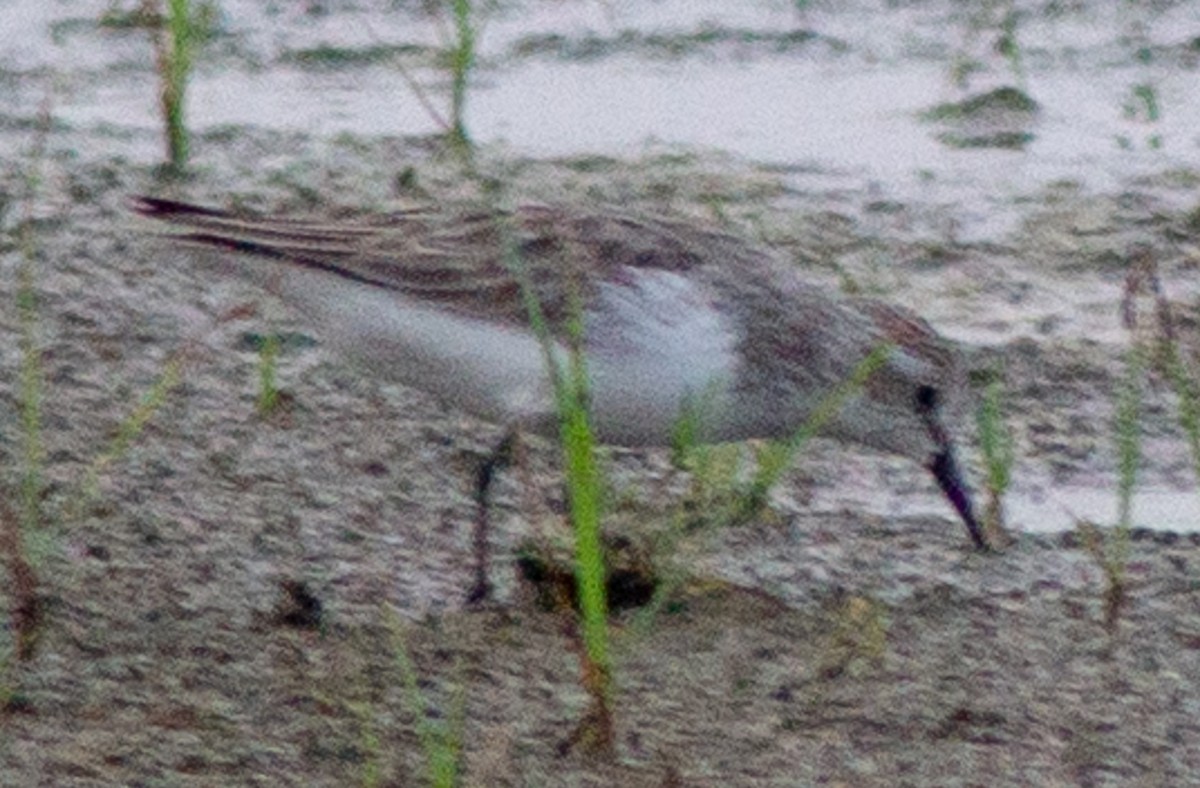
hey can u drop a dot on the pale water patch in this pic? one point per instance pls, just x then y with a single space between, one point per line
847 100
837 480
1029 509
1061 507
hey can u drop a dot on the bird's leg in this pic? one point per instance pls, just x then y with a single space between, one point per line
499 458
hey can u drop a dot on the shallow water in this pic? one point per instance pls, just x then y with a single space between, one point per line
846 102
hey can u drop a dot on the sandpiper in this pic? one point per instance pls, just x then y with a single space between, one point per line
671 312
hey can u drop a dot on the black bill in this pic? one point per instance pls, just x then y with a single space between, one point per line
950 479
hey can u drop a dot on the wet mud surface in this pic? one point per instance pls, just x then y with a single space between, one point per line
227 605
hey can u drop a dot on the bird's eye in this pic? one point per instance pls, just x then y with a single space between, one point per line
927 398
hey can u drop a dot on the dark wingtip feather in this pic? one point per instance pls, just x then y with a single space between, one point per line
158 208
229 243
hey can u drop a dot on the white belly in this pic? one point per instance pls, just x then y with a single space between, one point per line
651 349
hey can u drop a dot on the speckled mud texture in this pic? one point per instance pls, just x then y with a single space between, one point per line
183 644
228 602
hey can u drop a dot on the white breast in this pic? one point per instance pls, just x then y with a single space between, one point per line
655 345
